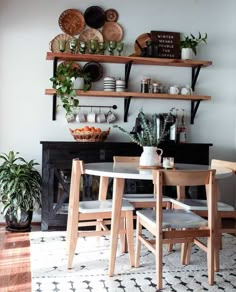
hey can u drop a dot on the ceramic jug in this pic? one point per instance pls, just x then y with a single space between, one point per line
150 157
187 90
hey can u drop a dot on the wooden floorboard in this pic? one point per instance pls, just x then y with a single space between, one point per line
15 272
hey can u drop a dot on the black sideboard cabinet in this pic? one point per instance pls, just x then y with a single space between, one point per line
56 168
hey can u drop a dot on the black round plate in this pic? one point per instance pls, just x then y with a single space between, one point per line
94 16
94 69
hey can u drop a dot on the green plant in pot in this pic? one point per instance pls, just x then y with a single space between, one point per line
147 138
189 44
20 190
63 82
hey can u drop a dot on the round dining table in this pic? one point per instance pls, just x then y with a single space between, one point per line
120 171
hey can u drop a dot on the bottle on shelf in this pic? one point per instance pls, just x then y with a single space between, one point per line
183 132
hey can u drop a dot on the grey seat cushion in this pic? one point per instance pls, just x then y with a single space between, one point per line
174 218
102 206
200 205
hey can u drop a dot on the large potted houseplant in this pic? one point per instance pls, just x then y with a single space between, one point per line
189 43
20 190
148 139
67 79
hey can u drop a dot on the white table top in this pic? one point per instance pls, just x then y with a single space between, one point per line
132 170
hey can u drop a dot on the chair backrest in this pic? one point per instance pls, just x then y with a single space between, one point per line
223 163
126 159
182 178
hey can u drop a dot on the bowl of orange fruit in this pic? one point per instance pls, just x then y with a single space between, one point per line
89 134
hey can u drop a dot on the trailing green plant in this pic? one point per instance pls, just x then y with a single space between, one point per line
148 134
191 41
20 185
63 82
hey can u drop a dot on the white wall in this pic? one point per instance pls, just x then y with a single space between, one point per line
26 28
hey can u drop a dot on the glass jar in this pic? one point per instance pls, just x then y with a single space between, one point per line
144 86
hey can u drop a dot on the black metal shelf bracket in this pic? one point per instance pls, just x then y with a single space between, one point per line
195 73
127 101
54 106
194 103
194 107
54 99
128 67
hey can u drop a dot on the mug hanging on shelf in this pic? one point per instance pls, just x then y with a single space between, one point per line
111 117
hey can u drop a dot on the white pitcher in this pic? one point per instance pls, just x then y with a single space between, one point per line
150 157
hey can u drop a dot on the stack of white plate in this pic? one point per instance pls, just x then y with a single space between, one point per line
120 85
109 84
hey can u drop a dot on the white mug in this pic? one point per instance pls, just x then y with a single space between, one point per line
101 118
111 117
174 89
91 117
81 118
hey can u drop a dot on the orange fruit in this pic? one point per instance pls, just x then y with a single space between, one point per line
86 128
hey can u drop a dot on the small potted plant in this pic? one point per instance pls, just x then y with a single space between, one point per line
65 83
189 45
20 190
147 138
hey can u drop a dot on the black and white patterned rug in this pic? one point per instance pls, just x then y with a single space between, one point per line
89 273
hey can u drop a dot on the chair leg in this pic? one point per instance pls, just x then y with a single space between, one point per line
186 249
123 243
218 243
169 245
159 259
218 229
210 260
138 243
130 236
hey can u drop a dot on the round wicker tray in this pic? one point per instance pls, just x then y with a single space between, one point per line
90 136
71 21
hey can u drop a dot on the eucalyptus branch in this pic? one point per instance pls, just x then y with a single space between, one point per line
148 136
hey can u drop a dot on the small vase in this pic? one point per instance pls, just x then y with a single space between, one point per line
79 83
150 157
186 54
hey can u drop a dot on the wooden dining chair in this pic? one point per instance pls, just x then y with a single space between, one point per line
178 226
145 200
94 213
224 211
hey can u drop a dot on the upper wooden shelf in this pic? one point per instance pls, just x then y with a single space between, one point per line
134 95
127 59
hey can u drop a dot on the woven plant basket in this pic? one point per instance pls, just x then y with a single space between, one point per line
88 136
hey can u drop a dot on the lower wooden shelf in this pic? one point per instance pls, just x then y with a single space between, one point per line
195 99
111 94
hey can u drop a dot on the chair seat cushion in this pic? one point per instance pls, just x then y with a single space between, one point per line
97 206
143 198
174 218
200 205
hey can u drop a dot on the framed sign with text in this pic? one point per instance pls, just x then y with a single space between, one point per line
168 44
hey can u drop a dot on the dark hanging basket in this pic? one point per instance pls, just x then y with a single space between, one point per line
23 225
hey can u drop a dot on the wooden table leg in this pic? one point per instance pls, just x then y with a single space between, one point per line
118 189
103 187
72 220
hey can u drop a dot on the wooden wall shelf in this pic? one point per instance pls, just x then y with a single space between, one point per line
127 59
196 66
134 95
